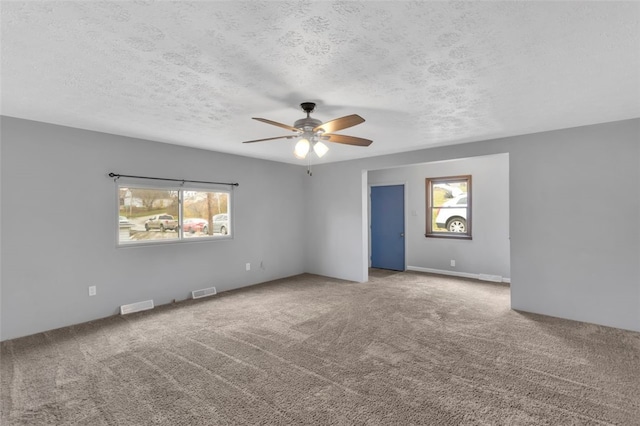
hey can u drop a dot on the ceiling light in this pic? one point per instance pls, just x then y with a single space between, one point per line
312 132
301 149
320 149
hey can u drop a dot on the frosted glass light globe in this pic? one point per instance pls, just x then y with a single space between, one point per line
301 149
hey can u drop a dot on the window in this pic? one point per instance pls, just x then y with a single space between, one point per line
157 214
449 207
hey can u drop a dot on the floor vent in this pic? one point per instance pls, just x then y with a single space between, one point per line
136 307
486 277
197 294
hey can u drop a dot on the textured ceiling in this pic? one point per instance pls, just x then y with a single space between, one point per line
421 73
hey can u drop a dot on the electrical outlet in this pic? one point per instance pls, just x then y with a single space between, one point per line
248 266
92 290
453 262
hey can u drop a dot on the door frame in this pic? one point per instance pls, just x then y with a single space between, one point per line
405 186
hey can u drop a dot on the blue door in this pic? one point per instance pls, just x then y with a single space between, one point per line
387 227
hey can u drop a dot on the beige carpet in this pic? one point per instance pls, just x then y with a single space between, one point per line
405 348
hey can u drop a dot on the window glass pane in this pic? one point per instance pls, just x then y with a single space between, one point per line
448 210
159 214
205 214
148 214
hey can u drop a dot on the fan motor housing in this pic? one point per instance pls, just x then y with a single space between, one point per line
307 123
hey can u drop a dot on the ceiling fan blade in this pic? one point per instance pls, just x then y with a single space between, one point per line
348 140
275 123
269 139
340 123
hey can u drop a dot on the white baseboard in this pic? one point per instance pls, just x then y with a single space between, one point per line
452 273
443 272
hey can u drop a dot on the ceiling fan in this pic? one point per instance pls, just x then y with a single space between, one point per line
312 132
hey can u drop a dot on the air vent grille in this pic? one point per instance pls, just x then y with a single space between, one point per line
136 307
197 294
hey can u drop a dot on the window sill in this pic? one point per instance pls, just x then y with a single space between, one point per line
160 242
449 236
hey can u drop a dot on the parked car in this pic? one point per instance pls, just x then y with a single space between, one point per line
124 221
194 225
162 222
221 224
453 214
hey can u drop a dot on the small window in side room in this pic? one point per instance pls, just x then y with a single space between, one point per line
449 207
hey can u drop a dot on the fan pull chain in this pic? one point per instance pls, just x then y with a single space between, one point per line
309 166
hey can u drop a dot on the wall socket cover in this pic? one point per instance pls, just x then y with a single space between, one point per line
92 290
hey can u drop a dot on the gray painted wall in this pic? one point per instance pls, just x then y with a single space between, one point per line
569 257
488 251
574 206
58 218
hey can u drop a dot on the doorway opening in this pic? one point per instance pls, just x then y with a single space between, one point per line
485 256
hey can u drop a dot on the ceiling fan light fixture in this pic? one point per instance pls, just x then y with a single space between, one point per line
312 132
301 149
320 149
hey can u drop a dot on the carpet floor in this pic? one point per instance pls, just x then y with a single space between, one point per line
404 348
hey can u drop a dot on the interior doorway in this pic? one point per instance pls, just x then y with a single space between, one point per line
486 254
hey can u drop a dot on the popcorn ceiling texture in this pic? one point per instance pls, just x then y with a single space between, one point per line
420 73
